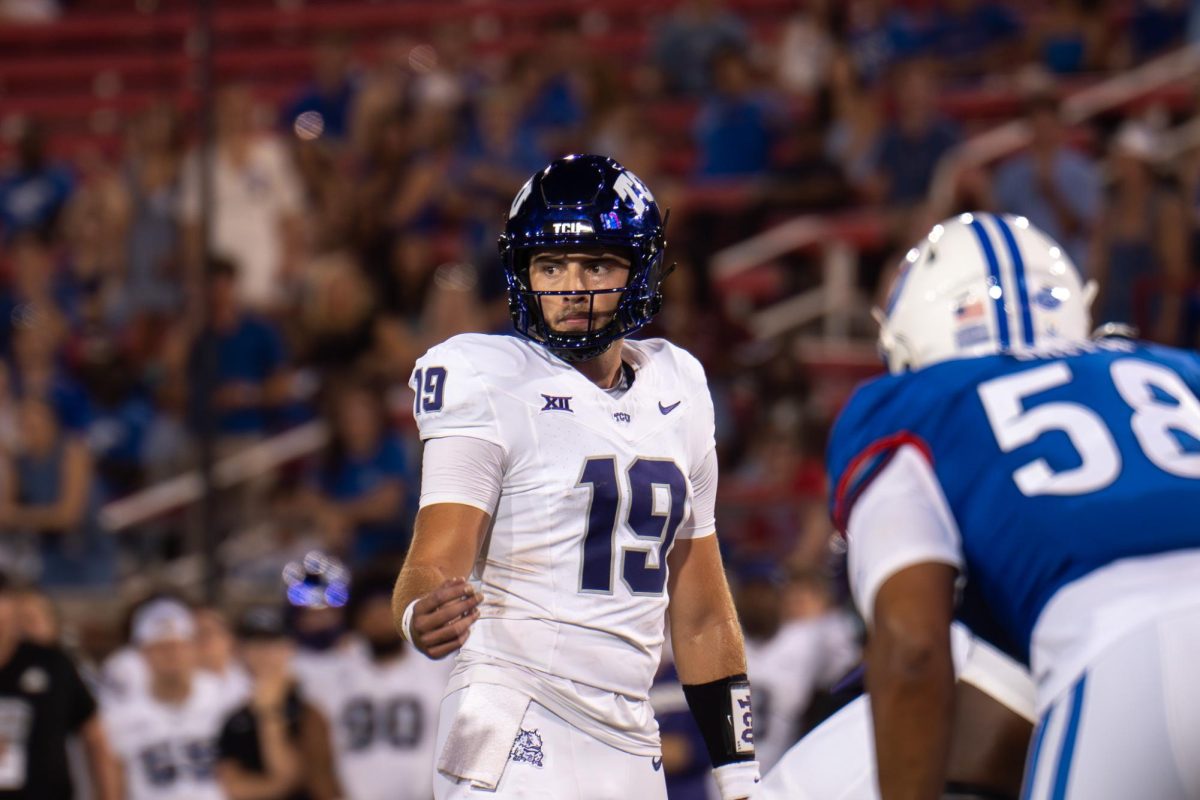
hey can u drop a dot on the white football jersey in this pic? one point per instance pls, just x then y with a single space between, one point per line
786 670
383 721
168 751
597 485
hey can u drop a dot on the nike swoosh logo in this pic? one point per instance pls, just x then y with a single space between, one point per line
668 409
656 763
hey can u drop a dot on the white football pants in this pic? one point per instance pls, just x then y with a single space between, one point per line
553 760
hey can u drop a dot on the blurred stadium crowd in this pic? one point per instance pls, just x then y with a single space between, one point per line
354 224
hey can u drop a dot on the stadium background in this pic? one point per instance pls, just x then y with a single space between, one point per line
364 155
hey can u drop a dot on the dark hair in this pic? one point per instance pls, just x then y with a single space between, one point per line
221 267
373 582
335 390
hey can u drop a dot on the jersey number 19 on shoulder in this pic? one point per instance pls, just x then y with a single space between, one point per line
430 385
657 494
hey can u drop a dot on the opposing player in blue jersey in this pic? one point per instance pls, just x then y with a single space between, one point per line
1054 480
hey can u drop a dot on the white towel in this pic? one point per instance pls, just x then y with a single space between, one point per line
482 734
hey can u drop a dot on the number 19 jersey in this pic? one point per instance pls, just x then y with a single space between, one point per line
1051 467
596 487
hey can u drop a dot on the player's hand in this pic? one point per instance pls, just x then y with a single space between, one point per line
442 619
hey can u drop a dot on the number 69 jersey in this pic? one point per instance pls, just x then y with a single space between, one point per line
1057 484
597 486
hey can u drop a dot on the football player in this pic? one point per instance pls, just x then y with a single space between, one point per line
789 660
567 507
1056 477
164 738
380 700
994 716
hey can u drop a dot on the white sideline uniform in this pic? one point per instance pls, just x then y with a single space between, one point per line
382 719
1113 650
802 657
836 760
167 752
579 628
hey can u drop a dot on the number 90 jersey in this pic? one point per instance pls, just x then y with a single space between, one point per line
597 486
1051 468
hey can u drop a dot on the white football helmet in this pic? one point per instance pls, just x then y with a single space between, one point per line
980 284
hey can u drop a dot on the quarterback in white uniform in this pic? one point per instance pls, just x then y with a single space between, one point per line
571 474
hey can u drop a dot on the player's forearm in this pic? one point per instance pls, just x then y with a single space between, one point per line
279 757
912 702
710 651
238 784
415 581
103 767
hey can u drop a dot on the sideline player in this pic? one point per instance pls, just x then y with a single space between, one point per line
1059 476
571 472
164 738
994 716
789 660
380 700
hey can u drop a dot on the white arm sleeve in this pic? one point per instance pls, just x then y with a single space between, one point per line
462 469
703 521
900 520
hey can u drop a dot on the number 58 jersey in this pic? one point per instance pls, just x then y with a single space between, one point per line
597 485
1064 487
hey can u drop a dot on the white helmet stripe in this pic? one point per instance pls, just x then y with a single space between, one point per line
993 265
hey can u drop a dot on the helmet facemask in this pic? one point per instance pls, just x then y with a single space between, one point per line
640 299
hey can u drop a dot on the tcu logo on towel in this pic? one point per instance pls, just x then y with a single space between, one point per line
630 189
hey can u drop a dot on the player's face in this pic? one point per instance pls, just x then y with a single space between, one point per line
578 271
214 642
375 621
266 658
36 618
759 606
170 659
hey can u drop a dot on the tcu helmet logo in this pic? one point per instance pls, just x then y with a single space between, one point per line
520 199
574 228
631 189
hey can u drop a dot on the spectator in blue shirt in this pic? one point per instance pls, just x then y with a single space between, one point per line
329 97
1056 187
250 376
361 485
736 128
50 500
878 37
689 39
121 421
33 193
915 142
974 36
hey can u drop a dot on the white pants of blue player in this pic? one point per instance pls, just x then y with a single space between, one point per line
553 760
1129 727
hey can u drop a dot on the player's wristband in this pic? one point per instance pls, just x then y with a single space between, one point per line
737 780
406 622
723 714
